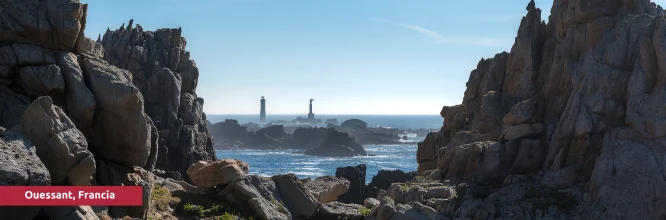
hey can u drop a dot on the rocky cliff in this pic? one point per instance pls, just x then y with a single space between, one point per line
100 113
578 102
166 76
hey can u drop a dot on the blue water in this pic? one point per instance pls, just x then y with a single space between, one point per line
272 162
393 121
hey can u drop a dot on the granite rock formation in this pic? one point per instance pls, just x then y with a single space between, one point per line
384 179
60 146
327 188
163 71
575 102
28 171
96 113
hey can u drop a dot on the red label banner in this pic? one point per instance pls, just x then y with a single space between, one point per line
71 195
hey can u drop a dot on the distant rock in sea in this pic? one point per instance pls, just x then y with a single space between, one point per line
337 144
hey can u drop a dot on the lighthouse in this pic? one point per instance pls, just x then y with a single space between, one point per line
311 115
262 114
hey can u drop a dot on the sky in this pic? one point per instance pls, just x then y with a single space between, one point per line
392 57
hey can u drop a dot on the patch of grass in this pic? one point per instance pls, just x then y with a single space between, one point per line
280 205
405 188
226 216
194 209
162 198
364 211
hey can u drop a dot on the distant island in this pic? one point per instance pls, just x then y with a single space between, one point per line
229 134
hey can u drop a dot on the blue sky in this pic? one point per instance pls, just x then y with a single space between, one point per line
351 56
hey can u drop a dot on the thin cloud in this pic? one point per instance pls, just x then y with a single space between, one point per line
438 38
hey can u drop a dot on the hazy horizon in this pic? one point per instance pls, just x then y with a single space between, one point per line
373 57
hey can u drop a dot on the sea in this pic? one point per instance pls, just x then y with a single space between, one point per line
388 157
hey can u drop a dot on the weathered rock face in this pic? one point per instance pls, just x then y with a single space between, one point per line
384 179
570 99
356 177
163 71
27 171
327 188
338 144
79 100
298 199
25 22
62 147
209 174
259 196
120 131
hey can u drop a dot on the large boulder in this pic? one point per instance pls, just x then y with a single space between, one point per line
20 166
356 177
337 144
210 174
53 24
120 130
296 197
43 80
257 195
327 188
60 146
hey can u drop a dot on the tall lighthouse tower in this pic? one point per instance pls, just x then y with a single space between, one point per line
262 114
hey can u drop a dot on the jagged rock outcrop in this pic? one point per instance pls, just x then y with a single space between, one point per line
162 70
576 98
